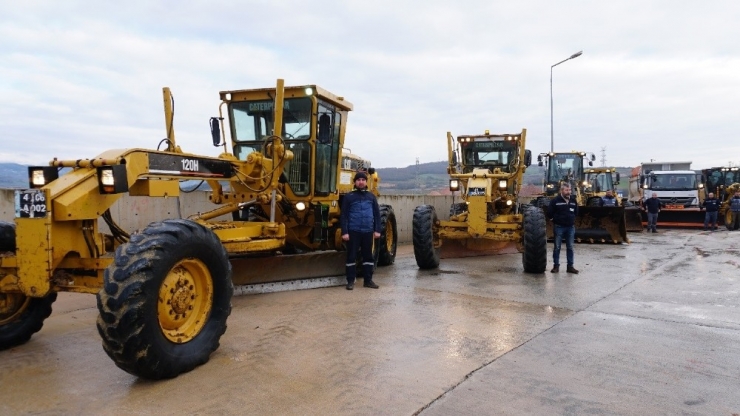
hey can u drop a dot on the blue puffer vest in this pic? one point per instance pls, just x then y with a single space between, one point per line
358 212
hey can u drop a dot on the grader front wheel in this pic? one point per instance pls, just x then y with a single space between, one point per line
165 300
424 223
388 236
534 256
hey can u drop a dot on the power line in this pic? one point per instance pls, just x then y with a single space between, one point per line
603 156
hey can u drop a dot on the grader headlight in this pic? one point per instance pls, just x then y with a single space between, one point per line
112 179
300 206
38 176
509 202
454 185
502 184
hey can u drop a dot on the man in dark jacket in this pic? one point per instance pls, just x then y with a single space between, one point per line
711 205
735 209
562 211
652 205
360 224
608 200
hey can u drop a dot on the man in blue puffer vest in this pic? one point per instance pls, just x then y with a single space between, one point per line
563 211
711 205
360 223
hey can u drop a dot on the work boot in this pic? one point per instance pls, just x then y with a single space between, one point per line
370 284
571 269
555 269
350 286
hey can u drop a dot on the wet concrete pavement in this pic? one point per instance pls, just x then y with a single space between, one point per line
647 328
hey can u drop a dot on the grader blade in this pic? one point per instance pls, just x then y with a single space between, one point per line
680 218
473 247
285 267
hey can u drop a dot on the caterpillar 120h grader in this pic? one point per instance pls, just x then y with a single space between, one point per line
164 292
594 223
488 174
723 182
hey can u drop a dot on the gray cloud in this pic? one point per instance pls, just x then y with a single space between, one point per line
657 80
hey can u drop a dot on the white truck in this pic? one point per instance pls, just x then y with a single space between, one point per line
679 190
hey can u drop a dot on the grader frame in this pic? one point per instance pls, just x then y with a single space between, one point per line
164 292
487 170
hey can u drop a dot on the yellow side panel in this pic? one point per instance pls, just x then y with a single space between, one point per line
84 201
155 188
34 255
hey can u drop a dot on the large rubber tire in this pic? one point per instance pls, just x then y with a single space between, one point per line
388 241
424 221
728 220
534 256
165 299
20 316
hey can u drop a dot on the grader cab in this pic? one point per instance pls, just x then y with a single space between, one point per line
594 222
487 171
164 292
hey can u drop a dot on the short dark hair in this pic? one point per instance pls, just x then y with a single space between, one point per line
360 175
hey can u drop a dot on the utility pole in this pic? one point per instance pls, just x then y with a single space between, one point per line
418 179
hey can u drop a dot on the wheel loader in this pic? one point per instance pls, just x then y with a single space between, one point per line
164 292
723 182
594 224
487 171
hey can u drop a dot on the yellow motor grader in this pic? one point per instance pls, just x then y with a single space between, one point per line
723 182
164 292
487 170
594 222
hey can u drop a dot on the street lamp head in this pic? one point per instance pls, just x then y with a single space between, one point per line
576 55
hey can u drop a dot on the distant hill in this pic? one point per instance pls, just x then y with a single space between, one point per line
425 178
13 176
432 177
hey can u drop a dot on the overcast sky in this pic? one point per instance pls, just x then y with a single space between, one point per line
657 79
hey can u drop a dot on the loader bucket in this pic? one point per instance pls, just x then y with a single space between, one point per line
598 225
472 247
633 219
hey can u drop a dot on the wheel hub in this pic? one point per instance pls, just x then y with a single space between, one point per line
185 300
11 306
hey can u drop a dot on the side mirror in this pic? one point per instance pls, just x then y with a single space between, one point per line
528 158
590 163
216 130
324 129
454 157
617 182
593 157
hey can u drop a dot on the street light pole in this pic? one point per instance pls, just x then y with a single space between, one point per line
552 140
